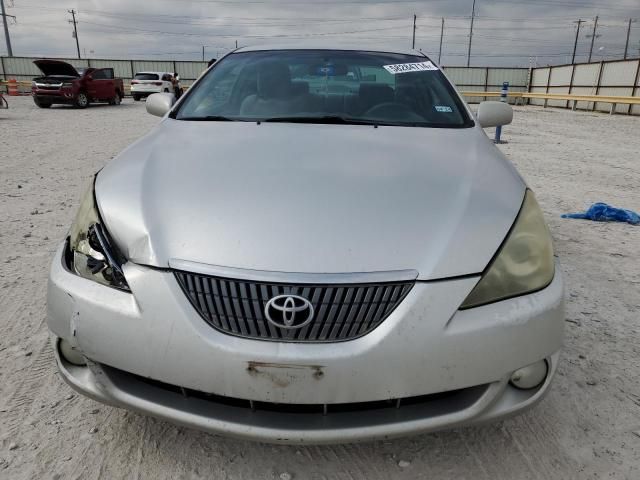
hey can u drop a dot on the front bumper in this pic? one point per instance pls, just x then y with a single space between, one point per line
449 367
65 97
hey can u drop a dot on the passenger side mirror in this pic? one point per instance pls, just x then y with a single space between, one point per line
159 104
492 114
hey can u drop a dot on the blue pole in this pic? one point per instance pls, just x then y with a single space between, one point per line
503 98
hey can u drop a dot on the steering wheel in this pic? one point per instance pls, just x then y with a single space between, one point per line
393 111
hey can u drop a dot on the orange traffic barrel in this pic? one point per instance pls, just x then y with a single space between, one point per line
13 87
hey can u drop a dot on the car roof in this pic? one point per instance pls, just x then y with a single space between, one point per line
154 73
366 47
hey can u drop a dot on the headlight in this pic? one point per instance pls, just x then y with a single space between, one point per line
524 263
94 255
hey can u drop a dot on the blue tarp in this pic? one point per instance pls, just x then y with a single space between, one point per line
601 212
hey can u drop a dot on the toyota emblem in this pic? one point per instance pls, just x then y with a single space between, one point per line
289 311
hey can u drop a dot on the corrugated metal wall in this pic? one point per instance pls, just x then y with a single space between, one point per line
615 78
480 79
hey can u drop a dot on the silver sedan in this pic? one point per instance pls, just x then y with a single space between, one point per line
314 245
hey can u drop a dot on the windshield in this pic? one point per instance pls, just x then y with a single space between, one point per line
325 86
146 76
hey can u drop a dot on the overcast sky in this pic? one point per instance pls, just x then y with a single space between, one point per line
506 32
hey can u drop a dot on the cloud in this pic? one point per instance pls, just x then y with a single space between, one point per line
516 32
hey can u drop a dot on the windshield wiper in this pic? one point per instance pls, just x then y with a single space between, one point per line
209 118
326 119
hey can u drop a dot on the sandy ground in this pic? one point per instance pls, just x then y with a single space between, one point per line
588 427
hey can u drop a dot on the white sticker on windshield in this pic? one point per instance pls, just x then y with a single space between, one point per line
410 67
443 109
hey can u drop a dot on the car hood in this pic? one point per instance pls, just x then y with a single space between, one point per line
56 67
311 198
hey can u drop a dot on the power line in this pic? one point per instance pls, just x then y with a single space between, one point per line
233 34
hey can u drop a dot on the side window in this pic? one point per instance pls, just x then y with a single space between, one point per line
166 77
103 74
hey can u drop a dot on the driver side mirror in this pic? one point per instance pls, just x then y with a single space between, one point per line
493 114
159 104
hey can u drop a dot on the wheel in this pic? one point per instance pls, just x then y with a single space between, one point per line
115 100
82 100
166 90
136 98
40 103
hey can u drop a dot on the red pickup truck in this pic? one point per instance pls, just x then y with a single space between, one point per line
65 84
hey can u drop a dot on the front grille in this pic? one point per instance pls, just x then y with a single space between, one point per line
433 404
48 86
341 311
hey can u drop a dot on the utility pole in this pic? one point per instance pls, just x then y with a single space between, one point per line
626 44
75 30
413 42
593 37
236 43
575 44
473 14
203 53
441 35
6 29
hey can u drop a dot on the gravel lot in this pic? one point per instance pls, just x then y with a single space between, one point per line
588 427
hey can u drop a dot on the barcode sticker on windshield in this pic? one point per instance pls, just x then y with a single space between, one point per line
410 67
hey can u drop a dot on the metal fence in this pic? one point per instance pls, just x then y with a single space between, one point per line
468 79
486 79
612 77
23 69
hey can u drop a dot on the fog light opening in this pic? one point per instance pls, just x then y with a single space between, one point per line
70 354
531 376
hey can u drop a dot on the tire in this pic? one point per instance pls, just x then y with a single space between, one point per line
115 100
136 98
41 104
81 100
166 90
